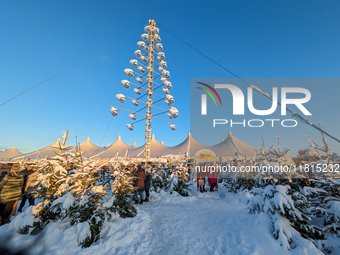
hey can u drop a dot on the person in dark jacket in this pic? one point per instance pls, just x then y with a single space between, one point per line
10 192
147 184
139 183
30 178
3 174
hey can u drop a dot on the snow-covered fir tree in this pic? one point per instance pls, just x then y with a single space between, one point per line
179 180
279 152
122 193
51 184
324 149
331 211
240 180
159 179
239 184
87 195
67 184
285 208
326 204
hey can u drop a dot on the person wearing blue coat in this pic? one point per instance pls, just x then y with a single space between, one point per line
167 172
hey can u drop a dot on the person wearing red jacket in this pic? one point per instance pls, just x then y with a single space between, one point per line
212 179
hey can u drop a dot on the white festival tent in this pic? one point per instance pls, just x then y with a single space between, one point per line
230 147
89 148
9 154
117 147
157 150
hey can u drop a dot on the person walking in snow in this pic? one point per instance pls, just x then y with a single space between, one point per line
30 178
212 178
166 169
140 185
201 183
10 192
147 182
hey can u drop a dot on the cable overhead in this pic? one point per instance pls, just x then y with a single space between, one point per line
107 128
294 114
218 131
206 56
105 132
70 67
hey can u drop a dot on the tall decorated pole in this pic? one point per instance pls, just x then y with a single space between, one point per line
148 120
153 68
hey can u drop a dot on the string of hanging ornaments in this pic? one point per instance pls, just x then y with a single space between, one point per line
151 74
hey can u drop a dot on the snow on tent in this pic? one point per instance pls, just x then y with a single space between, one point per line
117 147
48 151
9 154
89 148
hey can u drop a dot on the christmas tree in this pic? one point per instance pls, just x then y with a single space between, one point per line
179 180
87 195
122 193
285 208
159 179
67 185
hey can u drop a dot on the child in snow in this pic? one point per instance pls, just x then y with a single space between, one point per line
201 183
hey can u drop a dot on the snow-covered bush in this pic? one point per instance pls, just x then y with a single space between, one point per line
159 180
122 193
240 180
87 207
67 185
332 187
286 210
327 204
51 185
179 181
331 210
239 184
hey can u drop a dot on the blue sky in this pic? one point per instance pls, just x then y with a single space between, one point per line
254 39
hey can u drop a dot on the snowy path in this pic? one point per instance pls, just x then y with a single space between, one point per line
208 223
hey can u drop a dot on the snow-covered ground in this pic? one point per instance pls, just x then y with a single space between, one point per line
206 223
